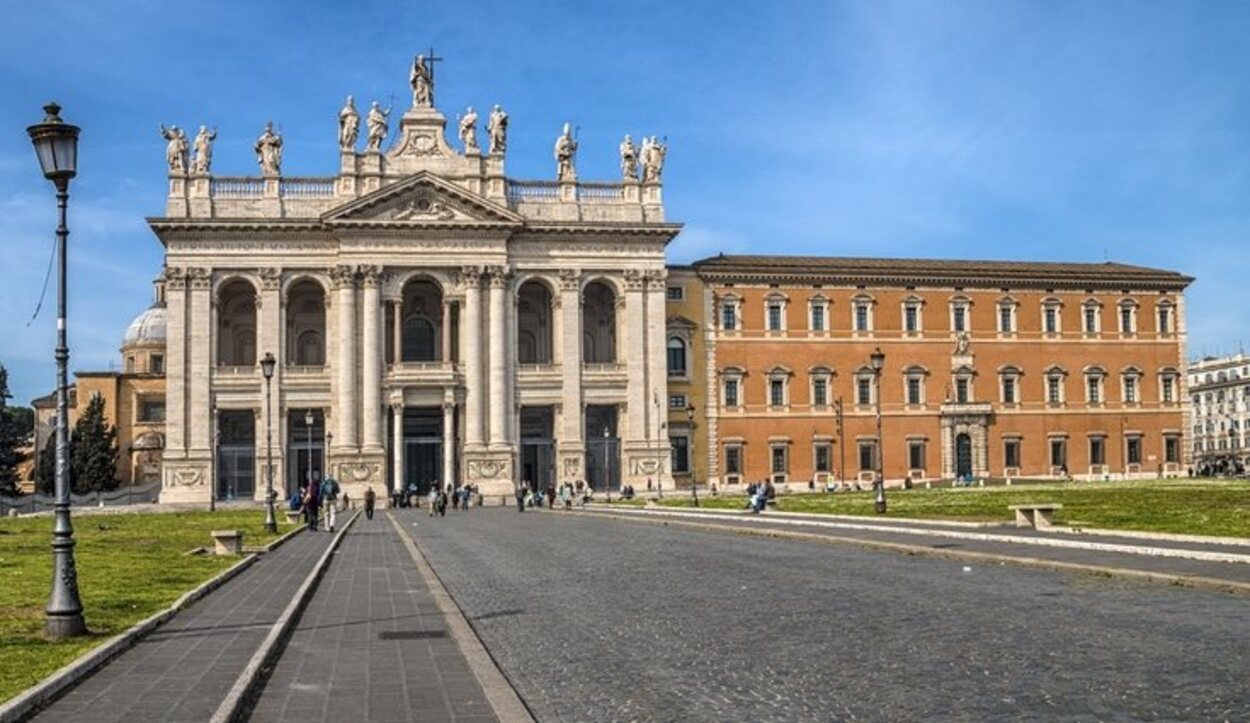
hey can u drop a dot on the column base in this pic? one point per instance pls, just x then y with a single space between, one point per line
492 470
357 471
571 465
643 461
186 480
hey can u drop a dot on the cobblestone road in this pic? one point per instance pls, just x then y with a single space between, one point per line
596 619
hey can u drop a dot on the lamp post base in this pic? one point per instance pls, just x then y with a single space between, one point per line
64 626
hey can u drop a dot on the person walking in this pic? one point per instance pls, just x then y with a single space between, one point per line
466 496
370 500
455 498
520 497
329 499
431 498
312 505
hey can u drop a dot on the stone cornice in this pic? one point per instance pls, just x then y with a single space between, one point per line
972 280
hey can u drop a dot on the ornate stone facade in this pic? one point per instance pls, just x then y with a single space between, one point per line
433 321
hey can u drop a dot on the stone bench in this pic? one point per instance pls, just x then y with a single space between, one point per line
1038 516
228 542
294 516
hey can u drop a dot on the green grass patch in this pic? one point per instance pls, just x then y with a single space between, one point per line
1195 507
130 566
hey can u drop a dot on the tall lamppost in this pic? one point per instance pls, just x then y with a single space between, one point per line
212 492
56 145
308 423
607 469
266 368
877 359
694 480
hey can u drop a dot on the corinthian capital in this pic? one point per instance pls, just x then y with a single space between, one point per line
570 280
343 276
370 275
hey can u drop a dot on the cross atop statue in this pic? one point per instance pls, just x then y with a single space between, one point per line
422 79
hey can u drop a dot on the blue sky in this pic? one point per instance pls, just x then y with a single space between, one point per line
1076 131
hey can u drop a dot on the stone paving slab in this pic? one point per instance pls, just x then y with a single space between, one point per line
182 671
1233 572
372 644
595 619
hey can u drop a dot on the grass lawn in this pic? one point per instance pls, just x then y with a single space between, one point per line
1195 507
130 566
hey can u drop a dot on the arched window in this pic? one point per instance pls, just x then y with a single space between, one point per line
421 319
676 357
236 324
534 323
598 323
306 324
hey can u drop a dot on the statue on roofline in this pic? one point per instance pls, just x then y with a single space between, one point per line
422 81
176 149
379 126
203 162
349 125
566 152
497 128
269 151
468 131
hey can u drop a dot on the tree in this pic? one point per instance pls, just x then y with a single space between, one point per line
93 455
14 432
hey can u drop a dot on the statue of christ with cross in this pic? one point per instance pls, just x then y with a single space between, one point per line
422 80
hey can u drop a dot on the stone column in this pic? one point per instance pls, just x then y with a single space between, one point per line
199 369
344 394
570 355
471 331
397 446
657 355
632 351
175 361
397 325
497 342
371 360
449 442
445 331
269 340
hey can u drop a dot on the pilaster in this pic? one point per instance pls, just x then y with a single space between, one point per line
572 447
343 279
471 341
371 360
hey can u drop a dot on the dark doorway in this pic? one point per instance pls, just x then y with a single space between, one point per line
538 456
963 456
236 454
603 448
423 448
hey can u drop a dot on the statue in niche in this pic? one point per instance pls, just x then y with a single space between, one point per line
349 125
962 343
468 131
653 152
379 126
176 149
422 81
629 159
566 152
203 162
497 127
269 151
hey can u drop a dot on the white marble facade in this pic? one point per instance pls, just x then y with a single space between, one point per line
436 320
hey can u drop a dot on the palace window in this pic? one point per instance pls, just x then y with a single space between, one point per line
1090 314
1011 453
675 293
1009 389
1128 316
963 390
731 393
1171 449
1167 387
915 390
1051 316
733 459
1059 453
775 309
912 322
861 309
152 410
959 314
780 456
915 454
867 456
677 401
1164 317
1054 387
819 313
863 390
1097 450
822 457
1133 450
1129 386
1007 316
681 453
729 314
820 390
1093 388
676 357
777 392
156 363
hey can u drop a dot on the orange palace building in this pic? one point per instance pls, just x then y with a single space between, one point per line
991 369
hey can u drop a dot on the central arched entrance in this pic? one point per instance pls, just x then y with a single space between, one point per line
963 456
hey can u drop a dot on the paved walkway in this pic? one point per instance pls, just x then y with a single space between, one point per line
1005 541
597 619
182 671
372 644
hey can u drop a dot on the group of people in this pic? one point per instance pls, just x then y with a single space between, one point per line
316 495
461 498
528 495
759 494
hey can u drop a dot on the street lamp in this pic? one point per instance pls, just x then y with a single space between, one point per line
266 367
607 470
694 480
56 145
877 360
308 423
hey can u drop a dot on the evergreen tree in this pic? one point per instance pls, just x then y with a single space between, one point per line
12 437
93 455
45 467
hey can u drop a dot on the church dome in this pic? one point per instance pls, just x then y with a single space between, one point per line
147 329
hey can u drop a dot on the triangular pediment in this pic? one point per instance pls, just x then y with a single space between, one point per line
418 200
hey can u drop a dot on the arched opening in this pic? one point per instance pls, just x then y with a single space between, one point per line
534 323
421 321
236 324
598 323
676 357
306 324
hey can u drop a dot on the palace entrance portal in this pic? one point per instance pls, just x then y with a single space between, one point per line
538 446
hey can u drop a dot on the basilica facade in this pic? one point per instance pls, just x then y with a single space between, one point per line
431 320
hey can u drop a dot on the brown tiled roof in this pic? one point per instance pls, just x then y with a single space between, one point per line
946 271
